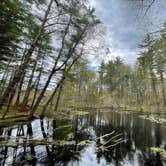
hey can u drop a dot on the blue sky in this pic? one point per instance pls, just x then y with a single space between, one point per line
127 25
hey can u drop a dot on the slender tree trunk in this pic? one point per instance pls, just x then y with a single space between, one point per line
30 133
41 95
19 91
4 79
21 70
44 136
8 105
13 89
153 83
54 70
37 81
51 97
54 132
4 82
29 86
163 88
36 89
54 92
28 89
21 83
5 75
51 74
59 95
60 82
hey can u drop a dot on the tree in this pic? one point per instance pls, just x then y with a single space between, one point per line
101 77
11 88
146 61
78 24
160 60
13 15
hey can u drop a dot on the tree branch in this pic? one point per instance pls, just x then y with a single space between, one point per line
57 3
149 6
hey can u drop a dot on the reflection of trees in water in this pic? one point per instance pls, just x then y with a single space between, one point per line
49 130
154 158
103 126
4 149
140 134
64 154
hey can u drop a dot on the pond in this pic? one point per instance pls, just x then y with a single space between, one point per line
77 141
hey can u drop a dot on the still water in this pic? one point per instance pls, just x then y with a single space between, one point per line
57 141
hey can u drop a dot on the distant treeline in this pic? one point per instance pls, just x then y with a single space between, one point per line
143 84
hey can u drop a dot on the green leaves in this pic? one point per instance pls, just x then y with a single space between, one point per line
153 55
11 21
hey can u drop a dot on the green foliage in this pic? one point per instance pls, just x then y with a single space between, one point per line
12 19
142 85
80 87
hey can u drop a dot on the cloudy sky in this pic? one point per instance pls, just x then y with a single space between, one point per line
126 25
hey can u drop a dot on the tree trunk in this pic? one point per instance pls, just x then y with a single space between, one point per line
59 95
4 82
163 88
20 84
51 74
60 82
153 83
54 70
37 84
51 97
28 89
21 70
10 98
19 91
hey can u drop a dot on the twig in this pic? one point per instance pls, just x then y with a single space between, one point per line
106 135
112 138
116 144
150 5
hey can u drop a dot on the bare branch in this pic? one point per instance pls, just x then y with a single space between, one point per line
149 6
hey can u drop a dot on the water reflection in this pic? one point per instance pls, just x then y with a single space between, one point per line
140 134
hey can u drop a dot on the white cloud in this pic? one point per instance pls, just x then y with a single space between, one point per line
92 3
126 27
